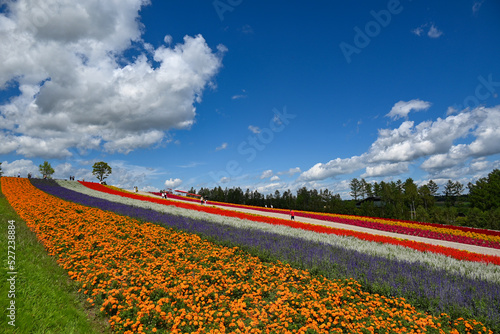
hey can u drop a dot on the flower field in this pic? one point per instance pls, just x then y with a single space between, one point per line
423 247
151 278
466 235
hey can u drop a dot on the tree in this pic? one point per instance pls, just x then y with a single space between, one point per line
46 170
426 196
356 188
485 193
433 187
0 169
101 170
451 191
365 189
410 196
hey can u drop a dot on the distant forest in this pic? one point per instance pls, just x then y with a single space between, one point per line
480 207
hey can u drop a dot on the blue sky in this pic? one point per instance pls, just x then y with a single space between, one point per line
262 95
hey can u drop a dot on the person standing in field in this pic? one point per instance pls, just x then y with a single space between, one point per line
292 215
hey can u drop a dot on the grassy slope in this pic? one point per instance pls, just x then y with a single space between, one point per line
47 301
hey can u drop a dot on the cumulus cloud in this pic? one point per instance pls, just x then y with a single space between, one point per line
77 89
22 166
395 150
410 142
173 183
402 108
485 125
275 178
335 167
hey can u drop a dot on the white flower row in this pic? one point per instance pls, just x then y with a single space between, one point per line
470 269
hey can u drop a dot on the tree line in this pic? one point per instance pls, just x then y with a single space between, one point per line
480 207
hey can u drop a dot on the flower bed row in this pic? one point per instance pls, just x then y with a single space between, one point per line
420 246
450 229
148 279
466 235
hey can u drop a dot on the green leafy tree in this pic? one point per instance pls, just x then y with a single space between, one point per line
426 196
46 169
485 193
101 170
422 214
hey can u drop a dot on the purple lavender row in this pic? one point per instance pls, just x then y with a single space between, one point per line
434 290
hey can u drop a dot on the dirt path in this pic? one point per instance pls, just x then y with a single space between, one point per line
456 245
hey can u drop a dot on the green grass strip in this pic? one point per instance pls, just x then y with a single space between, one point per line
46 300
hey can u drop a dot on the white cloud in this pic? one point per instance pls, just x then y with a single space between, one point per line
173 183
224 180
387 169
222 147
290 172
268 188
266 174
239 96
127 176
236 97
275 178
451 110
168 39
333 168
395 150
485 125
21 166
401 109
418 31
434 32
254 129
78 90
409 142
